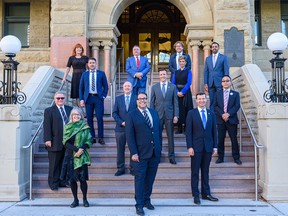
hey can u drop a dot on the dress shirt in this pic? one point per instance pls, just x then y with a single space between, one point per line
90 82
200 113
177 58
148 113
166 84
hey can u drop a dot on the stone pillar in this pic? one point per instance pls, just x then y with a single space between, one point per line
194 44
107 58
14 166
95 50
207 52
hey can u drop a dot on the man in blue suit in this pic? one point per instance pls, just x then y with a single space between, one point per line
145 145
201 139
93 90
216 66
226 106
123 104
173 61
137 68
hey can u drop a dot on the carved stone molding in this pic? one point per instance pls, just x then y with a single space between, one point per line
106 44
194 44
206 44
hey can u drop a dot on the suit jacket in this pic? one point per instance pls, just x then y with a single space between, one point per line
215 74
53 127
173 63
102 85
168 106
197 137
142 138
132 69
119 110
232 107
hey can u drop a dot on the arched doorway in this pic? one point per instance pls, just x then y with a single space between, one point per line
153 25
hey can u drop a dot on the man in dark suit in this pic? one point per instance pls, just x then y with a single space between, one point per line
173 61
92 92
226 106
201 138
54 118
123 104
165 101
145 145
216 66
137 68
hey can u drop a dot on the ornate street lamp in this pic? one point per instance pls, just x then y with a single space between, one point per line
9 86
277 91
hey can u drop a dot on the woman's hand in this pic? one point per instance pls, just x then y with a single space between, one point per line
79 152
180 94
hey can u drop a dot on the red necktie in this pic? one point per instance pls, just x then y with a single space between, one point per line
137 62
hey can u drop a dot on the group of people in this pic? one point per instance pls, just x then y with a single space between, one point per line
141 127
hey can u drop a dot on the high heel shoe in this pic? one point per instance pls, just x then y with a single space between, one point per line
85 203
74 203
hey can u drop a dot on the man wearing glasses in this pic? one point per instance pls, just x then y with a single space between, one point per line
226 106
55 117
145 145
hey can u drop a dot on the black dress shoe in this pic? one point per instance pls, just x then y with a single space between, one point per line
140 211
197 201
85 203
238 161
149 206
172 161
101 141
54 188
219 160
74 203
210 198
119 173
94 140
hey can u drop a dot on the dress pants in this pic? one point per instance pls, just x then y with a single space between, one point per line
212 90
169 127
95 103
232 131
121 143
145 173
200 160
55 165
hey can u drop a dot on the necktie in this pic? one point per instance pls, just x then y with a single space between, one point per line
147 119
163 89
138 62
93 81
64 116
214 60
127 103
177 62
204 121
225 100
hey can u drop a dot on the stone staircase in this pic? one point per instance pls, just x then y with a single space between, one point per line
227 180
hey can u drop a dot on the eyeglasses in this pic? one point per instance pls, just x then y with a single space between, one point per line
60 98
142 99
225 80
76 114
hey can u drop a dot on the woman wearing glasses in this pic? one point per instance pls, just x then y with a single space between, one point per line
77 140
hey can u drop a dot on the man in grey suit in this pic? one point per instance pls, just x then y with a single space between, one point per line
216 66
165 101
123 104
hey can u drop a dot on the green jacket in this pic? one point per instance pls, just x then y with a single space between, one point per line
83 136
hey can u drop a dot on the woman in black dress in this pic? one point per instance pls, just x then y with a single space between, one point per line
78 61
183 79
77 141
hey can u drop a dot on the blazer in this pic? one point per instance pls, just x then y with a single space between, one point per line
168 106
119 112
232 107
197 137
214 75
173 63
53 127
132 69
142 139
102 85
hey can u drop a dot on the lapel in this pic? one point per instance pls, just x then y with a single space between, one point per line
159 89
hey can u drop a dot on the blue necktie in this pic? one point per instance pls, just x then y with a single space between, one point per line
127 103
204 121
163 89
64 116
147 119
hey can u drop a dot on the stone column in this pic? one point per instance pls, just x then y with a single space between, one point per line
194 44
107 58
206 48
95 50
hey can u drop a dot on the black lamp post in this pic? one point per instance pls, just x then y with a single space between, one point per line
277 91
9 86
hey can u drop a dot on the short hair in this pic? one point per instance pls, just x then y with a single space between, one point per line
214 42
178 42
127 82
58 92
200 93
136 46
182 57
78 45
227 76
92 58
78 110
142 93
163 69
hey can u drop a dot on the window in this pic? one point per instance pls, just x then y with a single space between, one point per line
17 21
257 23
284 17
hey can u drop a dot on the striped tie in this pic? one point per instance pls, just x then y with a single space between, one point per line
64 116
147 119
225 100
93 87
